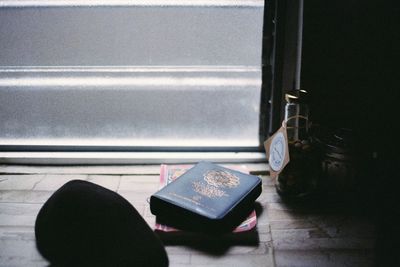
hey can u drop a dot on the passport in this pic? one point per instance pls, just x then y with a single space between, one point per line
206 198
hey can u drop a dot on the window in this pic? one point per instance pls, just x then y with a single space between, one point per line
131 75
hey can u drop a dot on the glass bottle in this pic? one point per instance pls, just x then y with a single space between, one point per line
299 177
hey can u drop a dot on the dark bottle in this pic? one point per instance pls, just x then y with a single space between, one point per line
299 177
340 160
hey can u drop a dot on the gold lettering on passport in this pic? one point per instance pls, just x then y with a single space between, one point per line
192 201
197 198
219 178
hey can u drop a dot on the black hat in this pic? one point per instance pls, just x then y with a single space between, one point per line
84 224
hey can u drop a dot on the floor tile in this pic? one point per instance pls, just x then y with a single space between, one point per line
108 181
18 214
19 182
139 183
24 196
52 182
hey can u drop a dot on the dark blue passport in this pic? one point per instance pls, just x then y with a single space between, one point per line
207 198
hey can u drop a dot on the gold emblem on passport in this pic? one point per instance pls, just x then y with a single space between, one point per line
208 190
220 178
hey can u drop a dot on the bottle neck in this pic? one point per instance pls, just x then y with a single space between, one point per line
296 118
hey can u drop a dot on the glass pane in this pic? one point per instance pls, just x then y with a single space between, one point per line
144 76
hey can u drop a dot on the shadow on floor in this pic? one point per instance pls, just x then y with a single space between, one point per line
211 243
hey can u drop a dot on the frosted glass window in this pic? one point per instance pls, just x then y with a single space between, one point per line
135 75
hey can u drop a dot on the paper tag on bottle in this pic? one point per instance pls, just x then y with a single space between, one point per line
277 151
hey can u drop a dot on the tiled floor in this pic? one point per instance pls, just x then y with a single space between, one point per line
288 236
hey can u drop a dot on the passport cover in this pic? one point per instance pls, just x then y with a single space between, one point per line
169 173
207 198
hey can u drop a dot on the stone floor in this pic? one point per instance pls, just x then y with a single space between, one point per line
289 235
